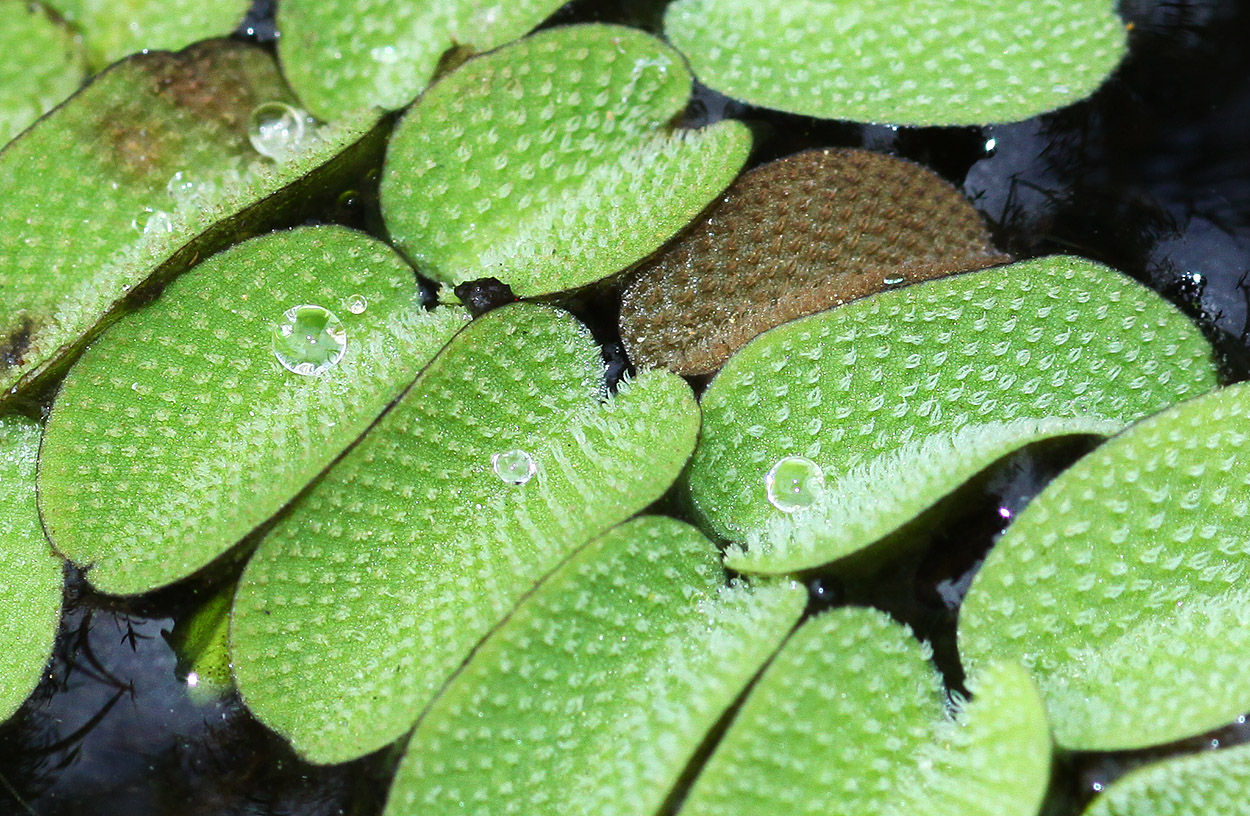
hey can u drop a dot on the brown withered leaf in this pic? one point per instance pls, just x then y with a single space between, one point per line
793 237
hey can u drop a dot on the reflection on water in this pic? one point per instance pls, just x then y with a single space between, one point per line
112 730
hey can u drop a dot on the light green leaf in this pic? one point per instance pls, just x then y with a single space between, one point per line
181 430
201 642
505 457
553 163
794 237
341 55
595 694
919 62
1205 784
144 171
866 416
30 576
43 64
1122 585
850 718
114 29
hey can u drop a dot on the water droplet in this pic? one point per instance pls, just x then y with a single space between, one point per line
277 130
182 187
514 467
356 304
153 222
894 281
794 483
309 340
385 54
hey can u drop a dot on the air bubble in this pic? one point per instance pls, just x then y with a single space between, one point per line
277 130
514 467
309 340
794 483
356 304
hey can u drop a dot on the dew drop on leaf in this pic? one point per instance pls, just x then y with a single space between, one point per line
153 222
356 304
277 130
794 483
309 340
514 467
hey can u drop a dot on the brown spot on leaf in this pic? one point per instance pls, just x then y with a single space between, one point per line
13 348
791 238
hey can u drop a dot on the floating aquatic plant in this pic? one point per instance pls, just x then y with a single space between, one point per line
793 237
1198 785
932 62
188 424
1120 587
504 457
43 63
533 163
346 54
113 29
851 717
30 576
601 686
146 170
823 436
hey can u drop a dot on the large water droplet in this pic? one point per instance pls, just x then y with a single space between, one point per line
182 187
356 304
309 340
794 483
514 467
277 130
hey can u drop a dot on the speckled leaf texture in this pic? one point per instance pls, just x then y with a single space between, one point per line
30 575
179 431
553 162
902 62
790 238
1205 784
902 397
595 694
144 171
1122 585
114 29
43 63
340 55
851 717
505 457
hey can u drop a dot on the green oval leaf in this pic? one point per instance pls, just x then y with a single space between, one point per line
1121 586
505 457
601 686
794 237
43 64
552 163
119 28
1212 782
180 430
925 62
30 576
896 400
850 718
144 171
341 55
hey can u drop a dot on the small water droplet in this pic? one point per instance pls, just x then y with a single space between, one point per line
385 54
309 340
894 281
277 130
153 222
514 467
356 304
182 188
794 483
